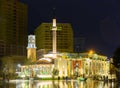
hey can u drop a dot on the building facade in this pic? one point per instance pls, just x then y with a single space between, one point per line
64 37
70 65
13 27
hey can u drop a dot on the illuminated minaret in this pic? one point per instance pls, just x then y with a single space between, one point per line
31 48
54 28
54 36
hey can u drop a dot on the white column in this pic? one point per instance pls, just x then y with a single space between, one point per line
54 28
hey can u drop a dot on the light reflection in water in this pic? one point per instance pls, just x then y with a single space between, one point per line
59 84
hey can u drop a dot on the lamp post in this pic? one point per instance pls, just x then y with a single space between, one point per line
18 69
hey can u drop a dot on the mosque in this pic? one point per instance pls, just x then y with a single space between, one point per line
63 64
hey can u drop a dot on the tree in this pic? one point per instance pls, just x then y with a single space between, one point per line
116 63
116 58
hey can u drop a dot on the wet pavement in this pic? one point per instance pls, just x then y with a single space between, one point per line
57 84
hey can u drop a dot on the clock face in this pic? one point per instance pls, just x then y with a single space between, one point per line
31 40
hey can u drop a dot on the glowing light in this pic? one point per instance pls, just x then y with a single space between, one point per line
48 59
49 55
22 76
54 24
19 65
91 52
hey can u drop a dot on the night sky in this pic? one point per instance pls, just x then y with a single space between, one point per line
96 20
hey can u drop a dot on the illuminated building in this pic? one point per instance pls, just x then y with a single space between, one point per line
13 27
80 63
61 65
64 37
42 69
71 65
31 48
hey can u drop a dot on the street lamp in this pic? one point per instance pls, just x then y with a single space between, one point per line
19 65
18 69
90 53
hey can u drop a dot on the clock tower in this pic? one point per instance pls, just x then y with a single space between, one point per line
31 48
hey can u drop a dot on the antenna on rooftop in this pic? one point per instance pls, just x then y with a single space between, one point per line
54 13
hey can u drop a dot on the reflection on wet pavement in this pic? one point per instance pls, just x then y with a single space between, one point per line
57 84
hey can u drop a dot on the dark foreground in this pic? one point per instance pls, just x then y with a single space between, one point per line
57 84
